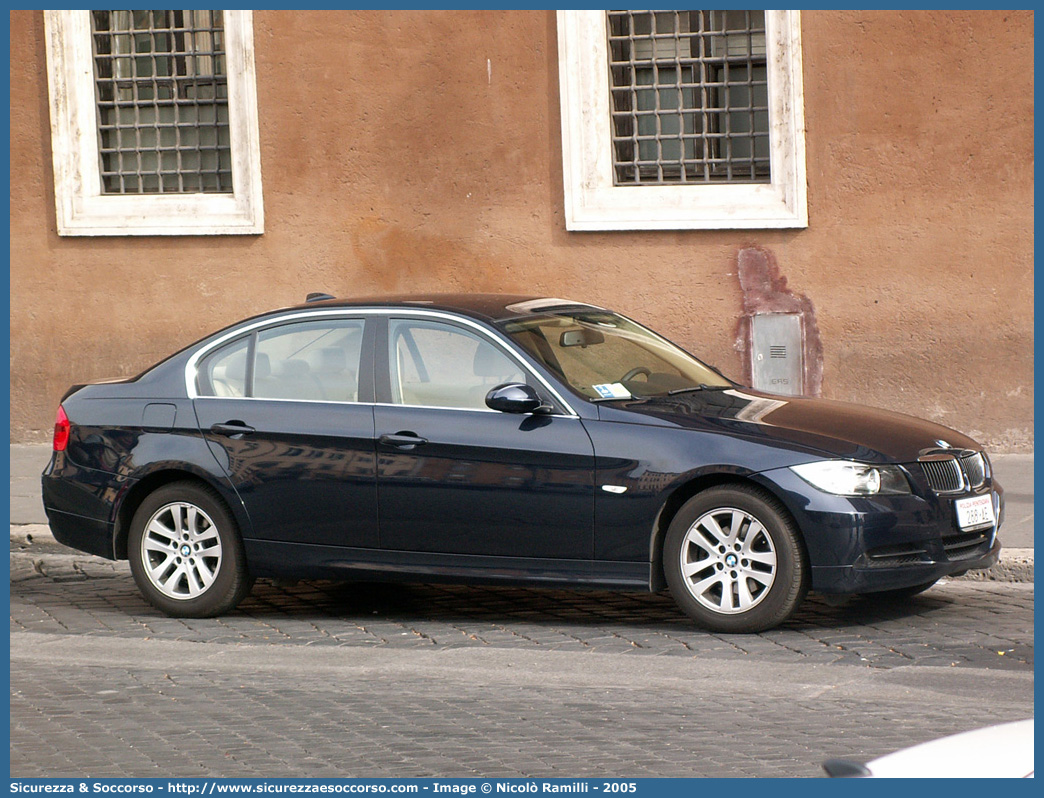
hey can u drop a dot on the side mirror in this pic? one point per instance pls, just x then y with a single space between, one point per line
515 397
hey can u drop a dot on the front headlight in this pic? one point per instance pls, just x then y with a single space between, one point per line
845 478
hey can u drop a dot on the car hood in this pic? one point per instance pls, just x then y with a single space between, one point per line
820 426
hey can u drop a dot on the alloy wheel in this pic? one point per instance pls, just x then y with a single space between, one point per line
728 561
181 550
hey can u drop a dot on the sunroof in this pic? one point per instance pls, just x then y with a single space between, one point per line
531 305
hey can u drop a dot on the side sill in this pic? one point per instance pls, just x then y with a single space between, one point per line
301 561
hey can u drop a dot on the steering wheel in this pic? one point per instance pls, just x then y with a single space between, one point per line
630 375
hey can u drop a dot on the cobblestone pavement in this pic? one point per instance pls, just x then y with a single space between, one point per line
326 679
959 624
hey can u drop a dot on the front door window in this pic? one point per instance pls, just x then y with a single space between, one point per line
439 365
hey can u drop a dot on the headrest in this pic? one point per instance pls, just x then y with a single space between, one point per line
328 360
295 368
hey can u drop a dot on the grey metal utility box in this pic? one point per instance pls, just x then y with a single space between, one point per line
776 353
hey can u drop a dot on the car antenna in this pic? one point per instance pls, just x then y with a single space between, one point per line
318 296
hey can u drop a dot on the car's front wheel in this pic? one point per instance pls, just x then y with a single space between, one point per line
185 552
734 561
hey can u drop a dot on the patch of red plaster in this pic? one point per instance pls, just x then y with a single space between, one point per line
765 291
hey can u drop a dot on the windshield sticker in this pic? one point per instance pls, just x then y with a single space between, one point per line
612 390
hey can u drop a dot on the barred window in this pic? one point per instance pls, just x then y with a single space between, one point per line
154 127
678 120
689 96
162 93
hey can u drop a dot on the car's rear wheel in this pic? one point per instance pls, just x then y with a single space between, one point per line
733 560
185 552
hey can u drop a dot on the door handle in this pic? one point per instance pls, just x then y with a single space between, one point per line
231 428
402 440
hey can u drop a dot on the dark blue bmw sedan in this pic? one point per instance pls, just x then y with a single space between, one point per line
509 440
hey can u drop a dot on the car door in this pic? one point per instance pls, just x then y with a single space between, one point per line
456 477
287 409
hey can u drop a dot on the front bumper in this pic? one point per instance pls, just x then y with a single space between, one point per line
867 545
864 578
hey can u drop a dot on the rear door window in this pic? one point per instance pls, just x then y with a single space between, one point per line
307 361
314 360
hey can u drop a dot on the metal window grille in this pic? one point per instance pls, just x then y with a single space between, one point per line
162 95
689 97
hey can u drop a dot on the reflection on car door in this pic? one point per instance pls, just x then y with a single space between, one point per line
455 477
288 410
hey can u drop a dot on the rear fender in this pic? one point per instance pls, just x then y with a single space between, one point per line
161 473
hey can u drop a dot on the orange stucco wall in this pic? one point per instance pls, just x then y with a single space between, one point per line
421 151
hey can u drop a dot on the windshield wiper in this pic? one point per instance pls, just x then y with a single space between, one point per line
701 387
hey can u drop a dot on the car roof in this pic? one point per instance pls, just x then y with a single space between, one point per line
488 307
483 307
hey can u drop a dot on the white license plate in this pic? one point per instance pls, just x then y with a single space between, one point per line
975 511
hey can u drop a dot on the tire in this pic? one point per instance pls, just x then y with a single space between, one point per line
734 560
900 592
185 552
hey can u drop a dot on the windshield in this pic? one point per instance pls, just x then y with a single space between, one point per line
603 355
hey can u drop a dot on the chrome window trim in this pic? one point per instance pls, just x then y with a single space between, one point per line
367 404
192 364
451 409
272 399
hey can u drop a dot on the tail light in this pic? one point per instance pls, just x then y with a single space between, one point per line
61 430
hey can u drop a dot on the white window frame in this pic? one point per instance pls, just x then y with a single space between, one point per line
82 209
592 202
